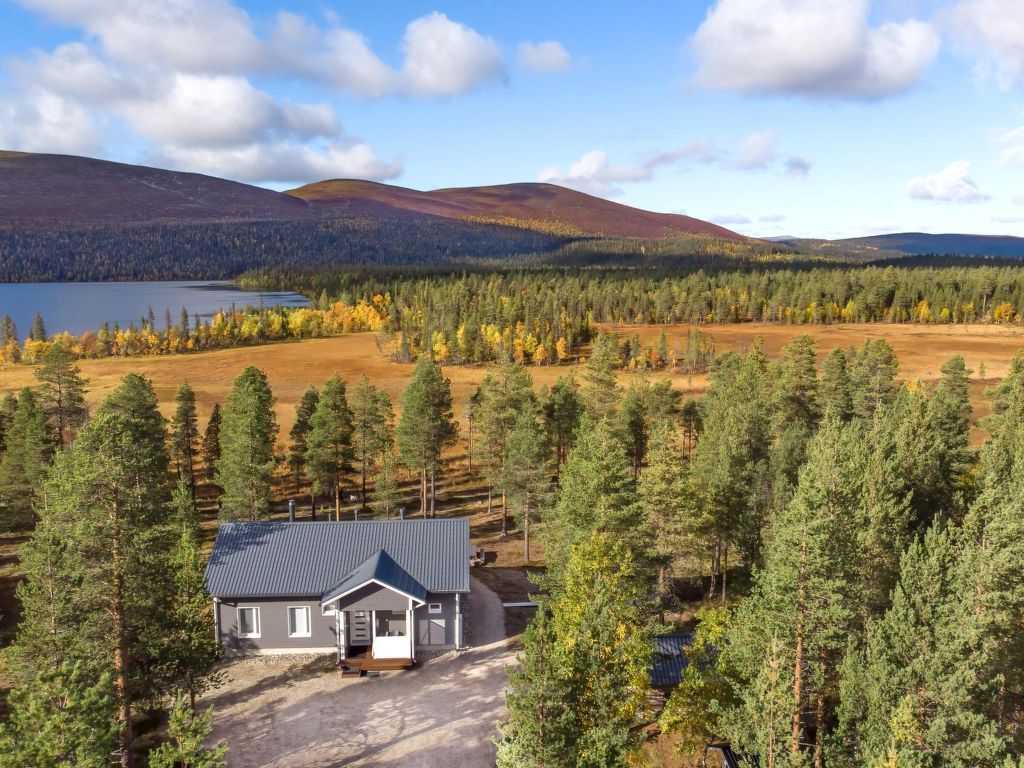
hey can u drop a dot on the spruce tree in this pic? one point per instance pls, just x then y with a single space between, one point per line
372 427
29 447
329 453
600 390
563 409
835 388
247 439
211 442
949 412
299 434
873 370
38 331
62 392
8 405
427 425
184 434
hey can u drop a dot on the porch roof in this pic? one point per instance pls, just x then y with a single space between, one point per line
378 568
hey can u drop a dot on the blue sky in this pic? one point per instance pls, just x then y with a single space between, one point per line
822 118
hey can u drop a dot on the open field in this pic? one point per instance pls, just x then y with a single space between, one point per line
293 366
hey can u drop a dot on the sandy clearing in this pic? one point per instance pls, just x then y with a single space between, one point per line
440 715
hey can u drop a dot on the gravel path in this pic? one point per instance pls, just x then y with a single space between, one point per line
442 714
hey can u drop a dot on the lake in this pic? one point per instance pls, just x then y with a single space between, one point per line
80 307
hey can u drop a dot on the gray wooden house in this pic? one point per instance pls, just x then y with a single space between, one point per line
374 592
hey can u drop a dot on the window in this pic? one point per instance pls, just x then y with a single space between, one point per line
298 621
433 608
248 622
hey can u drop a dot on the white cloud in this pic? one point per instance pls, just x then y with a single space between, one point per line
594 174
41 121
813 48
284 162
993 32
1013 143
546 58
444 57
1011 219
756 151
772 218
798 166
950 185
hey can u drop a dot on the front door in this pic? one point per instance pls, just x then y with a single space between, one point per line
359 629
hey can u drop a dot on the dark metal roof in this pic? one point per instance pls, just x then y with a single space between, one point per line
379 567
669 659
281 559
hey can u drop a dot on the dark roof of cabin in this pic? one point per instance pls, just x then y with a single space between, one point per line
379 567
282 559
669 659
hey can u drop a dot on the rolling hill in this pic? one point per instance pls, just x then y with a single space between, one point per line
528 204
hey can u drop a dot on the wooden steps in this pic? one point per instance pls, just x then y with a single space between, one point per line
360 664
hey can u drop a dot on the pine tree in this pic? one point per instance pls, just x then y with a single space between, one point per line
62 392
188 731
192 649
386 493
8 331
29 448
8 405
211 441
247 437
501 399
596 494
63 716
372 427
526 476
97 561
427 425
873 370
299 434
793 630
542 727
184 435
664 495
329 453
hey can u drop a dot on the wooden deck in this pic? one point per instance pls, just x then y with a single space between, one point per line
359 663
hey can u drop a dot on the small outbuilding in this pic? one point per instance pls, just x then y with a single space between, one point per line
376 593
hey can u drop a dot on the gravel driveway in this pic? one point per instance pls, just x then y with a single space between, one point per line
442 714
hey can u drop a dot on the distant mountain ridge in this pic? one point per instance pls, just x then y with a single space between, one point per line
913 244
63 190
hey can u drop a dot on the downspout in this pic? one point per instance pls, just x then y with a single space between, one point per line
459 645
216 620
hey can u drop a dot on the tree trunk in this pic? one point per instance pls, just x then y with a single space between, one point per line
661 593
526 532
433 494
364 481
504 516
337 502
124 705
725 569
819 726
423 491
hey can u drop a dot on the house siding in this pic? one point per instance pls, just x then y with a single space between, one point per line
448 614
274 626
374 597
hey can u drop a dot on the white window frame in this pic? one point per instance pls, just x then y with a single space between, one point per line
257 624
435 608
309 625
327 610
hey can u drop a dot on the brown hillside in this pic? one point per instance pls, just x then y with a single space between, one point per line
526 203
44 190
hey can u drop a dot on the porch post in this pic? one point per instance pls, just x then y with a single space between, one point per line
458 621
373 630
409 630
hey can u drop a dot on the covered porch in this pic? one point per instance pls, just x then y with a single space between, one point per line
374 615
